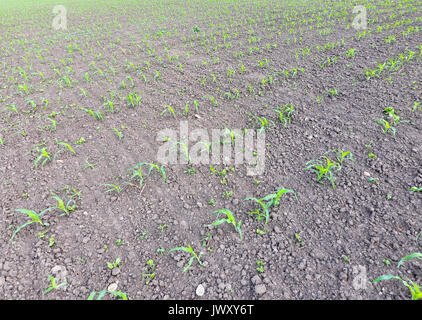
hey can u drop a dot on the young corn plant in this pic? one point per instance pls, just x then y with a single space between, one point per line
96 114
323 171
267 201
415 189
137 172
230 220
285 114
264 122
413 287
188 249
342 155
67 208
35 218
169 109
53 285
114 187
102 293
118 133
149 272
134 99
43 155
67 147
387 127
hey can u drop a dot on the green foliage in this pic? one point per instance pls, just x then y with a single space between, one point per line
53 285
102 293
188 249
323 169
230 220
67 208
285 114
35 218
413 287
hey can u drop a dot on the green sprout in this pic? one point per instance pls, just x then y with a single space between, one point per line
149 273
67 208
35 218
188 249
415 189
267 201
413 287
285 114
115 264
53 285
324 171
170 109
43 154
102 293
230 220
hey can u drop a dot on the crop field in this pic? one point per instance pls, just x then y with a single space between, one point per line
210 149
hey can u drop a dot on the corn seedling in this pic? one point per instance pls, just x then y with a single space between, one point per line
342 155
149 271
134 99
114 187
188 249
53 285
67 147
260 266
137 171
170 109
67 208
413 287
230 220
96 114
285 114
43 154
416 106
35 218
118 133
323 171
115 264
267 201
299 240
387 127
416 189
102 293
264 122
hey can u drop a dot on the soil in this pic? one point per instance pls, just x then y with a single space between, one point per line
327 244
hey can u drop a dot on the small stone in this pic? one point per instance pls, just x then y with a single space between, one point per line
183 224
200 290
85 240
112 287
256 279
260 289
277 229
115 271
367 174
6 266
